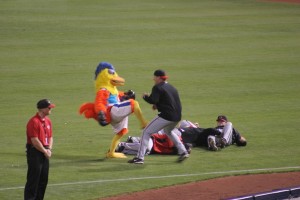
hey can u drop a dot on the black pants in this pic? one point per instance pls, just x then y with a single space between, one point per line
37 174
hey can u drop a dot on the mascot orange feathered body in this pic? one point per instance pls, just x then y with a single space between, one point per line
111 106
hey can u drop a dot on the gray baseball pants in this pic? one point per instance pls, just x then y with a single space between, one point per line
226 134
154 126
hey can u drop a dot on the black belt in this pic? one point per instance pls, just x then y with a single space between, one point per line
29 146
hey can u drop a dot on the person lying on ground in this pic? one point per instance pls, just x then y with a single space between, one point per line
191 135
228 135
159 143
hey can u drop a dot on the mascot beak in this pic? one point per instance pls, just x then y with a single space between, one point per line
117 81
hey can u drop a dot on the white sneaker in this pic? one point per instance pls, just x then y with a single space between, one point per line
212 145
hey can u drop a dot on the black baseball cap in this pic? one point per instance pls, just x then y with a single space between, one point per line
221 118
44 103
160 73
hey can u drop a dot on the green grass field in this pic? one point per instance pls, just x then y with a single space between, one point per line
235 57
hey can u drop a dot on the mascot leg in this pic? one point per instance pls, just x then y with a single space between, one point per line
138 113
115 141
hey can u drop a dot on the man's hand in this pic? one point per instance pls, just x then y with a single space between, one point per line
102 119
154 107
38 145
48 153
145 95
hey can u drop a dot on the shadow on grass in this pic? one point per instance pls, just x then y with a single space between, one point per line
92 164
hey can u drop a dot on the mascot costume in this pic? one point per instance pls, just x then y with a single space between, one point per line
111 106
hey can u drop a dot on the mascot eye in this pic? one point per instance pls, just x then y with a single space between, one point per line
111 71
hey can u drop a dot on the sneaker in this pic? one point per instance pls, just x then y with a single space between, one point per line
120 147
129 139
212 145
223 143
136 161
188 147
183 156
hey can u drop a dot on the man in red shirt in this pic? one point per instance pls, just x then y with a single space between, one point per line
39 145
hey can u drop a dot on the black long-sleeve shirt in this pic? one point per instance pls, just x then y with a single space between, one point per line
198 136
166 99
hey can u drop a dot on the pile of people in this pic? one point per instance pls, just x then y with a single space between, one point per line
191 135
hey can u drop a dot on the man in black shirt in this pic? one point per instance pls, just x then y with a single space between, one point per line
165 98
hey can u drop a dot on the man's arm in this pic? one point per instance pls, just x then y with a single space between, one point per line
50 143
38 145
153 98
212 131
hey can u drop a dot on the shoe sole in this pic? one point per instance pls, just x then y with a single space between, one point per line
214 148
140 163
181 159
137 162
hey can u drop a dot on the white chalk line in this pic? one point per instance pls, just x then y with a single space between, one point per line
160 177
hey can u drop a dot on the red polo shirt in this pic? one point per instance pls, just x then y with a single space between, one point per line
40 128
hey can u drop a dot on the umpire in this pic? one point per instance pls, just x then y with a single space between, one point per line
38 148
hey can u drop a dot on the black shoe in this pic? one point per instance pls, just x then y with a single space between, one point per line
136 161
129 139
182 157
120 147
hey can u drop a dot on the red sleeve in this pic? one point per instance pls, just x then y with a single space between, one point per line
32 130
101 100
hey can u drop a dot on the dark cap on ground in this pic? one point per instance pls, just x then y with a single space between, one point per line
221 118
44 103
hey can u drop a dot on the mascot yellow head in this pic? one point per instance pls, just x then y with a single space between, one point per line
106 77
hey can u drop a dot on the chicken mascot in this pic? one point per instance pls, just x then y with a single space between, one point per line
111 106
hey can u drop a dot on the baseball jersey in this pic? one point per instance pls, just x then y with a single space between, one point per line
40 128
166 99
